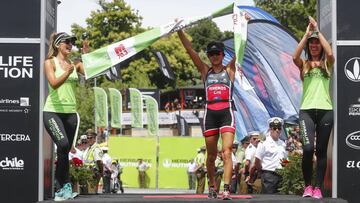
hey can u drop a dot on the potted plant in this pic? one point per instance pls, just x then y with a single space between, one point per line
80 175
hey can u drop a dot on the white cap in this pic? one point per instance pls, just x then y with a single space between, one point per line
252 133
275 120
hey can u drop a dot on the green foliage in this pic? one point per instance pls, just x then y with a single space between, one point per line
81 174
85 106
292 177
293 14
203 33
115 21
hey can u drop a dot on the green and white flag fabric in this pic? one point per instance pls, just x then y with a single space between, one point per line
240 37
100 60
136 103
101 107
152 115
116 107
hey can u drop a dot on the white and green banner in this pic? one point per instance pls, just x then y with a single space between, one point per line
136 108
101 107
240 36
116 107
152 115
104 58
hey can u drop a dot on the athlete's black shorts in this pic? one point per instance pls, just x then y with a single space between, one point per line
218 121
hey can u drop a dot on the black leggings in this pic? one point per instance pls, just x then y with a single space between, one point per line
62 129
319 122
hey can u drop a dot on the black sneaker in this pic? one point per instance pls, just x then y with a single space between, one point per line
212 193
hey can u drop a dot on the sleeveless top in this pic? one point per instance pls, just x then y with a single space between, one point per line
62 99
218 87
316 86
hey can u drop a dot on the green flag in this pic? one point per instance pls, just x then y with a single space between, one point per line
116 108
101 108
136 108
152 115
102 59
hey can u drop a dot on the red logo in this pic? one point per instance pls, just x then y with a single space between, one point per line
121 51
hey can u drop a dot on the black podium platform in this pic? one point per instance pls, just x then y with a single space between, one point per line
194 198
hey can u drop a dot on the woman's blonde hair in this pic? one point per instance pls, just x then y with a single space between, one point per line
53 51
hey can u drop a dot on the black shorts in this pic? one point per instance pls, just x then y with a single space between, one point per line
218 121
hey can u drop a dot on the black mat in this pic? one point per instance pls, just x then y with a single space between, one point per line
183 198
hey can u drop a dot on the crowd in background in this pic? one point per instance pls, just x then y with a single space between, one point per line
246 178
91 151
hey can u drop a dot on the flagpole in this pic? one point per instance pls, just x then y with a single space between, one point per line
95 128
157 162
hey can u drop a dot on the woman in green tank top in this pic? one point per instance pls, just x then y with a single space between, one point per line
60 118
316 115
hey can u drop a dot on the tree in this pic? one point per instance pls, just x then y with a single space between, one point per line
203 33
85 107
290 13
115 21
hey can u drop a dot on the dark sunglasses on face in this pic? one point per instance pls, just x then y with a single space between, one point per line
90 138
68 41
276 128
214 53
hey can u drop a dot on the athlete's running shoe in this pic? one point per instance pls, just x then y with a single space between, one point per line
226 195
212 193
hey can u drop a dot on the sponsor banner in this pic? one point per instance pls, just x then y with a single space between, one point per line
116 107
152 115
19 119
128 150
11 164
101 108
348 101
14 137
173 159
136 108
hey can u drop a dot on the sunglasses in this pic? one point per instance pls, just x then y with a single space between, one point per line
90 138
68 41
213 54
276 128
254 138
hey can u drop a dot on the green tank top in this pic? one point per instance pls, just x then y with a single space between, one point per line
316 90
62 99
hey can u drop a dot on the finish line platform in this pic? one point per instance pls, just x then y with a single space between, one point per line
256 198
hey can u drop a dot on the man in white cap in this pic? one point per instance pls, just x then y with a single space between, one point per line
269 157
107 161
250 156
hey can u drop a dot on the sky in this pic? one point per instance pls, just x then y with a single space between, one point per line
154 12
